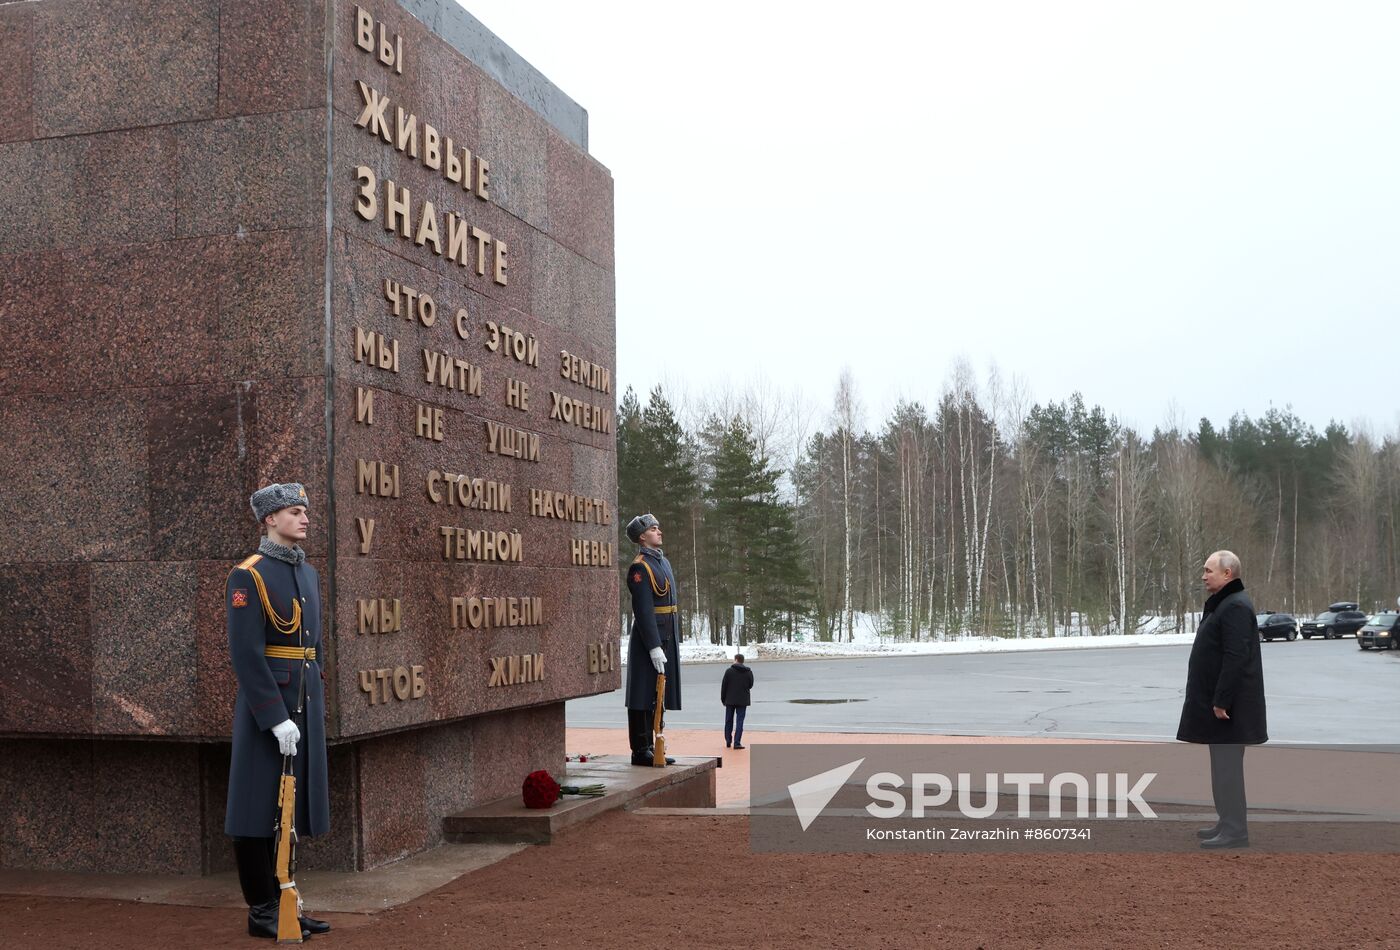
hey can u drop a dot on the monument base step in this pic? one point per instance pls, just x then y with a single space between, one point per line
690 783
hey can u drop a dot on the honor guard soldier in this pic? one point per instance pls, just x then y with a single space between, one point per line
654 646
274 640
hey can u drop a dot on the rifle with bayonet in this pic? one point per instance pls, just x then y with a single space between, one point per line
289 905
658 723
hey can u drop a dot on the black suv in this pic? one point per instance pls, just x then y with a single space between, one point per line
1381 633
1338 620
1273 625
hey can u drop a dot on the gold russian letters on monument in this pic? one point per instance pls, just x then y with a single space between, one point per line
566 507
463 491
399 215
579 370
512 442
471 544
523 347
514 670
364 405
430 423
389 53
592 553
407 302
376 478
602 657
517 394
366 528
379 614
576 412
449 372
477 613
439 152
376 350
403 683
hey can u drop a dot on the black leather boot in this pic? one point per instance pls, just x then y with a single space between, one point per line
312 925
262 921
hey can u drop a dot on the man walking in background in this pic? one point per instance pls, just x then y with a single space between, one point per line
734 693
1224 702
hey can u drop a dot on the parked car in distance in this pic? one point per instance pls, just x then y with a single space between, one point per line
1335 622
1273 625
1381 632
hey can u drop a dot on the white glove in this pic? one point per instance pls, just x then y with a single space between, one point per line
658 659
287 735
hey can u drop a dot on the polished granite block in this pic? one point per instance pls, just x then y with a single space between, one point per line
194 432
31 301
100 65
270 56
251 173
75 470
48 804
271 304
16 80
144 669
580 202
145 825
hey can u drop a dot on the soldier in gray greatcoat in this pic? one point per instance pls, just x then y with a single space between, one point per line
273 602
654 646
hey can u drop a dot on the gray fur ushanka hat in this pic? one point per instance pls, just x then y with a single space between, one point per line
637 525
275 497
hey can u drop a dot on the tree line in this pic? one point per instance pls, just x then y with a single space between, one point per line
985 513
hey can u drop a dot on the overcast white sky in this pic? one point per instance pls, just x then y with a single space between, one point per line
1189 203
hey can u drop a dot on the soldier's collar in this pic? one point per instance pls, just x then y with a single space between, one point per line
654 552
292 555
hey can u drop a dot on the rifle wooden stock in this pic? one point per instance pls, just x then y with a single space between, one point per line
658 723
289 909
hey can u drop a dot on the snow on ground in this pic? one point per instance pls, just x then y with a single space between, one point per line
696 652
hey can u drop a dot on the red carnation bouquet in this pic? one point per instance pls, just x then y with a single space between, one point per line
539 790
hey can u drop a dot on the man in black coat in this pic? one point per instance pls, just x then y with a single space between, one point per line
273 603
1224 702
655 642
734 693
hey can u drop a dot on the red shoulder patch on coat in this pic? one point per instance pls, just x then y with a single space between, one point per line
240 597
636 577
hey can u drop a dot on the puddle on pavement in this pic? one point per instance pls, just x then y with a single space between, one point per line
824 702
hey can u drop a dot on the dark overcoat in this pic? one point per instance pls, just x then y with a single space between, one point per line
1225 670
267 695
655 623
734 688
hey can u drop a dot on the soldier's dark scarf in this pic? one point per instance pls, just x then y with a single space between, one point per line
271 548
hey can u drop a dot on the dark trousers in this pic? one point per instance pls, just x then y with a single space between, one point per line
257 869
734 724
639 722
1227 785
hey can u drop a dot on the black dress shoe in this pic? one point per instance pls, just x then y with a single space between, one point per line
738 746
726 743
262 921
1210 832
641 759
312 925
1220 841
